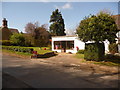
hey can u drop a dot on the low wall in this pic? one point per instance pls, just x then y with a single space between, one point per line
46 55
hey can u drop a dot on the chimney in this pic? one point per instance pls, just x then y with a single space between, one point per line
4 22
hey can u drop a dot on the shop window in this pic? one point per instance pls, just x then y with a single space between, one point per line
57 45
70 45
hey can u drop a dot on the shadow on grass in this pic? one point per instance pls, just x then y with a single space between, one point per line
112 58
109 59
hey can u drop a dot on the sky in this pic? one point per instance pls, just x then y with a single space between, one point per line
19 14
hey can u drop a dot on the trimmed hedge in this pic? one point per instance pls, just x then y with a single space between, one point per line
5 42
80 51
18 49
94 51
113 48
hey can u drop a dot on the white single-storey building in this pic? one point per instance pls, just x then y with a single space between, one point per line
70 44
66 44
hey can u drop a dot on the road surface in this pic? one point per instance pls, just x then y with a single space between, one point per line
43 73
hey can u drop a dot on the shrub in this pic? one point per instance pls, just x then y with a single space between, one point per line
80 52
94 51
18 49
5 42
113 48
18 39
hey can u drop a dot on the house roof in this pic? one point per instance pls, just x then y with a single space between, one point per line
117 20
64 36
14 30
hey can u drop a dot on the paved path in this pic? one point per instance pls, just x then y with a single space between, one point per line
46 73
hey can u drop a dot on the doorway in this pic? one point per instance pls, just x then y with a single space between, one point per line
63 46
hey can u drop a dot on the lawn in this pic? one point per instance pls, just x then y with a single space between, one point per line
41 50
38 49
107 62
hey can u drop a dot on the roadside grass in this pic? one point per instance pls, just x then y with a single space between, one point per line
79 56
107 62
22 54
38 49
13 53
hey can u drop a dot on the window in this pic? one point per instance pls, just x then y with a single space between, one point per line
57 45
69 44
64 45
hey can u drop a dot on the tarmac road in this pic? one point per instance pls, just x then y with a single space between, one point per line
26 73
9 81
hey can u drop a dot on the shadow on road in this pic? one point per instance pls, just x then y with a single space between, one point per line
9 81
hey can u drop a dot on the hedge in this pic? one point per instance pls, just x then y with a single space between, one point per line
18 49
113 48
94 51
5 42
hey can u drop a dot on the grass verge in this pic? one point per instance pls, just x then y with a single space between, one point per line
110 62
18 54
27 55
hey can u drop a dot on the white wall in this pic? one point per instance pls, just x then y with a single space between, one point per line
119 48
68 38
106 43
77 42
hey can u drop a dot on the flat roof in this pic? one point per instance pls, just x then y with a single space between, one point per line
66 36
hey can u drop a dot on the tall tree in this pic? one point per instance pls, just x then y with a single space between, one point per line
98 28
57 27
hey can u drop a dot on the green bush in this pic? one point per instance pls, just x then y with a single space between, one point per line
18 49
80 52
5 42
17 39
94 51
113 48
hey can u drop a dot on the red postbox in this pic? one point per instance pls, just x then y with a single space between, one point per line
77 48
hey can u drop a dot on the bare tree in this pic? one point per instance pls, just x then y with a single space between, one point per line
29 28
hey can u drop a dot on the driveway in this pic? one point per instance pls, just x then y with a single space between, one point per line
61 71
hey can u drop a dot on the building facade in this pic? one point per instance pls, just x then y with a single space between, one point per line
66 44
70 44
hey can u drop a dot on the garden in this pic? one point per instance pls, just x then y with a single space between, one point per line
109 59
94 28
26 51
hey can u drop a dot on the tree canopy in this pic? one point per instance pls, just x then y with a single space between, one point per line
97 28
57 27
37 34
17 39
